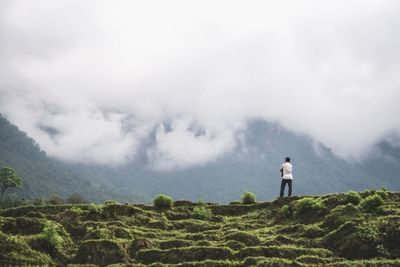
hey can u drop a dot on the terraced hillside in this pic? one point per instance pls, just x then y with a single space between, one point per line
348 229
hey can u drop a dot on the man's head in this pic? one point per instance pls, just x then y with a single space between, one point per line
287 159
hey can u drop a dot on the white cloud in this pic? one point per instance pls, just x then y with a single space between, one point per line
186 145
104 75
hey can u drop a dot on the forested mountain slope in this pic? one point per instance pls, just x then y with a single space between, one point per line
41 175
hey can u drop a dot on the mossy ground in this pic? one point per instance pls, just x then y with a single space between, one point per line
331 230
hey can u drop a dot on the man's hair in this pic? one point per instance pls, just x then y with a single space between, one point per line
287 159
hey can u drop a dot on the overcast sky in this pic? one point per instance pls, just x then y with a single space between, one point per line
90 80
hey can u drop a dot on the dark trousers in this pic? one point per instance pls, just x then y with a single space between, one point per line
283 184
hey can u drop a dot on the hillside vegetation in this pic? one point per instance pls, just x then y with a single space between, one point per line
347 229
43 176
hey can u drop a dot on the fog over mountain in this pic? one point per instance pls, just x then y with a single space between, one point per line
92 81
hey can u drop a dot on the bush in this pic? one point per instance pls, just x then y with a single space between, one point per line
248 198
371 203
202 213
94 209
50 233
16 252
340 215
284 212
352 197
308 205
76 210
163 201
354 240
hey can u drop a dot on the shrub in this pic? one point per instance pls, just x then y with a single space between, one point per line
284 212
16 252
94 209
50 232
308 205
371 203
340 215
248 198
202 213
163 201
352 197
51 241
355 240
76 210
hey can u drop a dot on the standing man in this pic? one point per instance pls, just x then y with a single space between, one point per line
287 177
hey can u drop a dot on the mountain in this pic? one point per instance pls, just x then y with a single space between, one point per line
41 175
254 166
347 229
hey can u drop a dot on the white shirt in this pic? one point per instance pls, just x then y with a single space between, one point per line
287 171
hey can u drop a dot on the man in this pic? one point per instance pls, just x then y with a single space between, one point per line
287 177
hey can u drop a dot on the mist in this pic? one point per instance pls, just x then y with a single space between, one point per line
91 81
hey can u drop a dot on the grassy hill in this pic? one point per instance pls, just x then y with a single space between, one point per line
346 229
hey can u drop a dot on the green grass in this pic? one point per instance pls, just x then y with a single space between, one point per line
346 229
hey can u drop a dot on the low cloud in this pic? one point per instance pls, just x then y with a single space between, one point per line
90 81
186 145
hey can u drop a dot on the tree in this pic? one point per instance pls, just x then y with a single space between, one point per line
9 179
